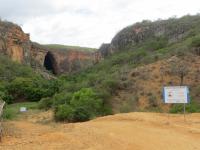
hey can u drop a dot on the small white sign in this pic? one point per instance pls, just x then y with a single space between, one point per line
22 109
176 94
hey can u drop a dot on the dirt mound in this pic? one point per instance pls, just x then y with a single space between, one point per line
138 131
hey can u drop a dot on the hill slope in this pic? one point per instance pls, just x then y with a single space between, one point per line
132 73
135 67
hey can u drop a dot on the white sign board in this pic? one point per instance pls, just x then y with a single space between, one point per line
22 109
176 94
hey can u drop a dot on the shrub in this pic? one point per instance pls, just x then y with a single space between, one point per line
45 103
4 95
64 113
32 89
138 56
9 70
81 114
8 113
125 108
129 105
153 101
157 43
84 105
192 107
111 85
195 41
61 98
86 98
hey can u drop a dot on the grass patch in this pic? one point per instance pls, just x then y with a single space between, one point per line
12 111
192 107
67 47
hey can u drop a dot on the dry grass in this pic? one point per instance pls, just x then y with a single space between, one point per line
138 131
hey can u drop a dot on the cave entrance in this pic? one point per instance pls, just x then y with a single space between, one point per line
50 63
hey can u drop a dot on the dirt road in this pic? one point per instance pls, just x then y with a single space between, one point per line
132 131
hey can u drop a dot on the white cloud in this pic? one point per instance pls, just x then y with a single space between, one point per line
87 22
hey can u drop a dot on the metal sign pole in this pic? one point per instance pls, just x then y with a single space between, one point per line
168 114
184 111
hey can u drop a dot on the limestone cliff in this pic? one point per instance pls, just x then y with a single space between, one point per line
14 42
61 61
17 45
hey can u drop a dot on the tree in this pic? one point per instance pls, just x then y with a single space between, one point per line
180 69
84 105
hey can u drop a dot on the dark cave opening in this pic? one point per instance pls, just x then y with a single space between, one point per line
49 63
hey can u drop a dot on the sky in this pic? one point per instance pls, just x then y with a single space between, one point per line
87 23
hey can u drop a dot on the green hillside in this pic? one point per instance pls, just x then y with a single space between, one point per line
66 47
122 88
139 61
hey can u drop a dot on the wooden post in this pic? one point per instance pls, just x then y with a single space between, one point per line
1 112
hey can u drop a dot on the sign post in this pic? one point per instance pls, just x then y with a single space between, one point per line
184 111
176 95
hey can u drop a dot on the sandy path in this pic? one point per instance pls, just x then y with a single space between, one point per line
132 131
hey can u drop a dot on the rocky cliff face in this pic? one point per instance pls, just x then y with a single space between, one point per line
17 45
61 61
14 42
171 30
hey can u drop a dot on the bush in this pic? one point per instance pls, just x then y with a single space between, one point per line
64 113
8 113
195 41
81 114
138 56
86 98
84 105
32 89
4 94
111 85
192 107
156 44
125 108
6 97
153 101
45 103
129 105
61 98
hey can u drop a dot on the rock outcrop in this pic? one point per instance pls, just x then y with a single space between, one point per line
14 42
171 30
61 61
17 45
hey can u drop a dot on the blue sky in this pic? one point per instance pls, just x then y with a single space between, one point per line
87 22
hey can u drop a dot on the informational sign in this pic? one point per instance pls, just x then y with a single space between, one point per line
22 109
176 94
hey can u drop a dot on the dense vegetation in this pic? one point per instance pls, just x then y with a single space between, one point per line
84 95
21 83
110 76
